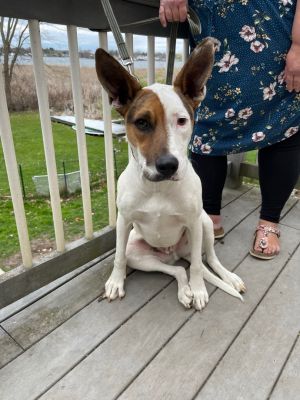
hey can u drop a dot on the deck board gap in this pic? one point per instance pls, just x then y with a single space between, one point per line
55 287
12 338
289 209
284 365
244 324
103 340
171 337
237 197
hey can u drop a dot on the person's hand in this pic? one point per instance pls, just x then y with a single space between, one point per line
172 10
292 68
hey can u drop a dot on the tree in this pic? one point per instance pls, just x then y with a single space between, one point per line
11 33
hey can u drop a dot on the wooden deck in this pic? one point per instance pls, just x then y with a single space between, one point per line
60 343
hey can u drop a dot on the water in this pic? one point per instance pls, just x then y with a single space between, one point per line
90 63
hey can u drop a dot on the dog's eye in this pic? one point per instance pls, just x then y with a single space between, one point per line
142 124
181 121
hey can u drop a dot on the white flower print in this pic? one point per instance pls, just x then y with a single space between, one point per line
248 33
291 131
280 78
227 62
230 113
286 2
269 92
197 141
206 148
258 136
257 46
245 113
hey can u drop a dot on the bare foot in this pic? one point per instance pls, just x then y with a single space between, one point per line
273 240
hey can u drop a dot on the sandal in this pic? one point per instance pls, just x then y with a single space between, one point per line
264 242
219 233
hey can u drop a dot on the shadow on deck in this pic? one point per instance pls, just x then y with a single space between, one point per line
60 343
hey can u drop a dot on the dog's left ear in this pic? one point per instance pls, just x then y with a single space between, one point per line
192 78
117 82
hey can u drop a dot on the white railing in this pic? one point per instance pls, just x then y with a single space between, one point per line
44 111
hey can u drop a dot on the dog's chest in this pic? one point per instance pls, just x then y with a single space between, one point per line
158 228
160 220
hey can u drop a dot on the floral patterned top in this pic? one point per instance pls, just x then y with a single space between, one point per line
247 105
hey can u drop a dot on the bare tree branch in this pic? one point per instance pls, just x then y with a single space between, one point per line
9 35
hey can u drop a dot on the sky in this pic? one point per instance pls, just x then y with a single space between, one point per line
55 36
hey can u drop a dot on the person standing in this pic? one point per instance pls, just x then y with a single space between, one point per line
252 102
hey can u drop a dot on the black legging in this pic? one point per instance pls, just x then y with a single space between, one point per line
279 168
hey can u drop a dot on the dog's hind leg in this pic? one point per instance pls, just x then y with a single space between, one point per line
212 259
145 260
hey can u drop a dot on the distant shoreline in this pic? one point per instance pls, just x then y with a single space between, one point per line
90 63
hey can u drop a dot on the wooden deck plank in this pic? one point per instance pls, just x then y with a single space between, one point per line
290 219
9 349
40 318
42 364
6 312
154 325
120 358
230 249
47 361
31 298
184 364
288 385
239 209
35 321
60 357
230 195
253 362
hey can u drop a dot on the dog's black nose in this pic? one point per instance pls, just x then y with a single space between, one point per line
166 165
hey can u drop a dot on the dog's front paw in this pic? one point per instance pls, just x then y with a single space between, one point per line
114 287
235 281
200 296
185 296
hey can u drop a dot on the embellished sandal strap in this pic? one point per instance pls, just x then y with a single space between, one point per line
268 229
264 242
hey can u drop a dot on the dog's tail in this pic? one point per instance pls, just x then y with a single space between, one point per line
214 280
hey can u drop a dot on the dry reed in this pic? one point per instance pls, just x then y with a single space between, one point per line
60 92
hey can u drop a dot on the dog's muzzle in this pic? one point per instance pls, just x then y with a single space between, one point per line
166 165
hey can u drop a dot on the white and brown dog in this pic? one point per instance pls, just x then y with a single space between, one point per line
160 214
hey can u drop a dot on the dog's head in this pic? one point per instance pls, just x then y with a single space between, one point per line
159 118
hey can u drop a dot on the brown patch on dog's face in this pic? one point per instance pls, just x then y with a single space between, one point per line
145 125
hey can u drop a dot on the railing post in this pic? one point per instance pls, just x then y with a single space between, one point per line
42 95
151 59
129 45
109 153
234 179
13 177
167 51
186 50
80 131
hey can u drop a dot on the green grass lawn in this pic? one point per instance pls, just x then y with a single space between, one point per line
29 149
30 155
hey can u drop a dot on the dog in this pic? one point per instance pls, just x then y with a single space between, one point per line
160 214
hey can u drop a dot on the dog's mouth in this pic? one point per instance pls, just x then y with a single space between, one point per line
157 177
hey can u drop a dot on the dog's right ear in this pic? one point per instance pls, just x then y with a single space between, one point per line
118 83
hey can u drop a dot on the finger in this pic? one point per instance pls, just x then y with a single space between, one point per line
175 14
162 16
182 13
168 14
297 83
289 82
